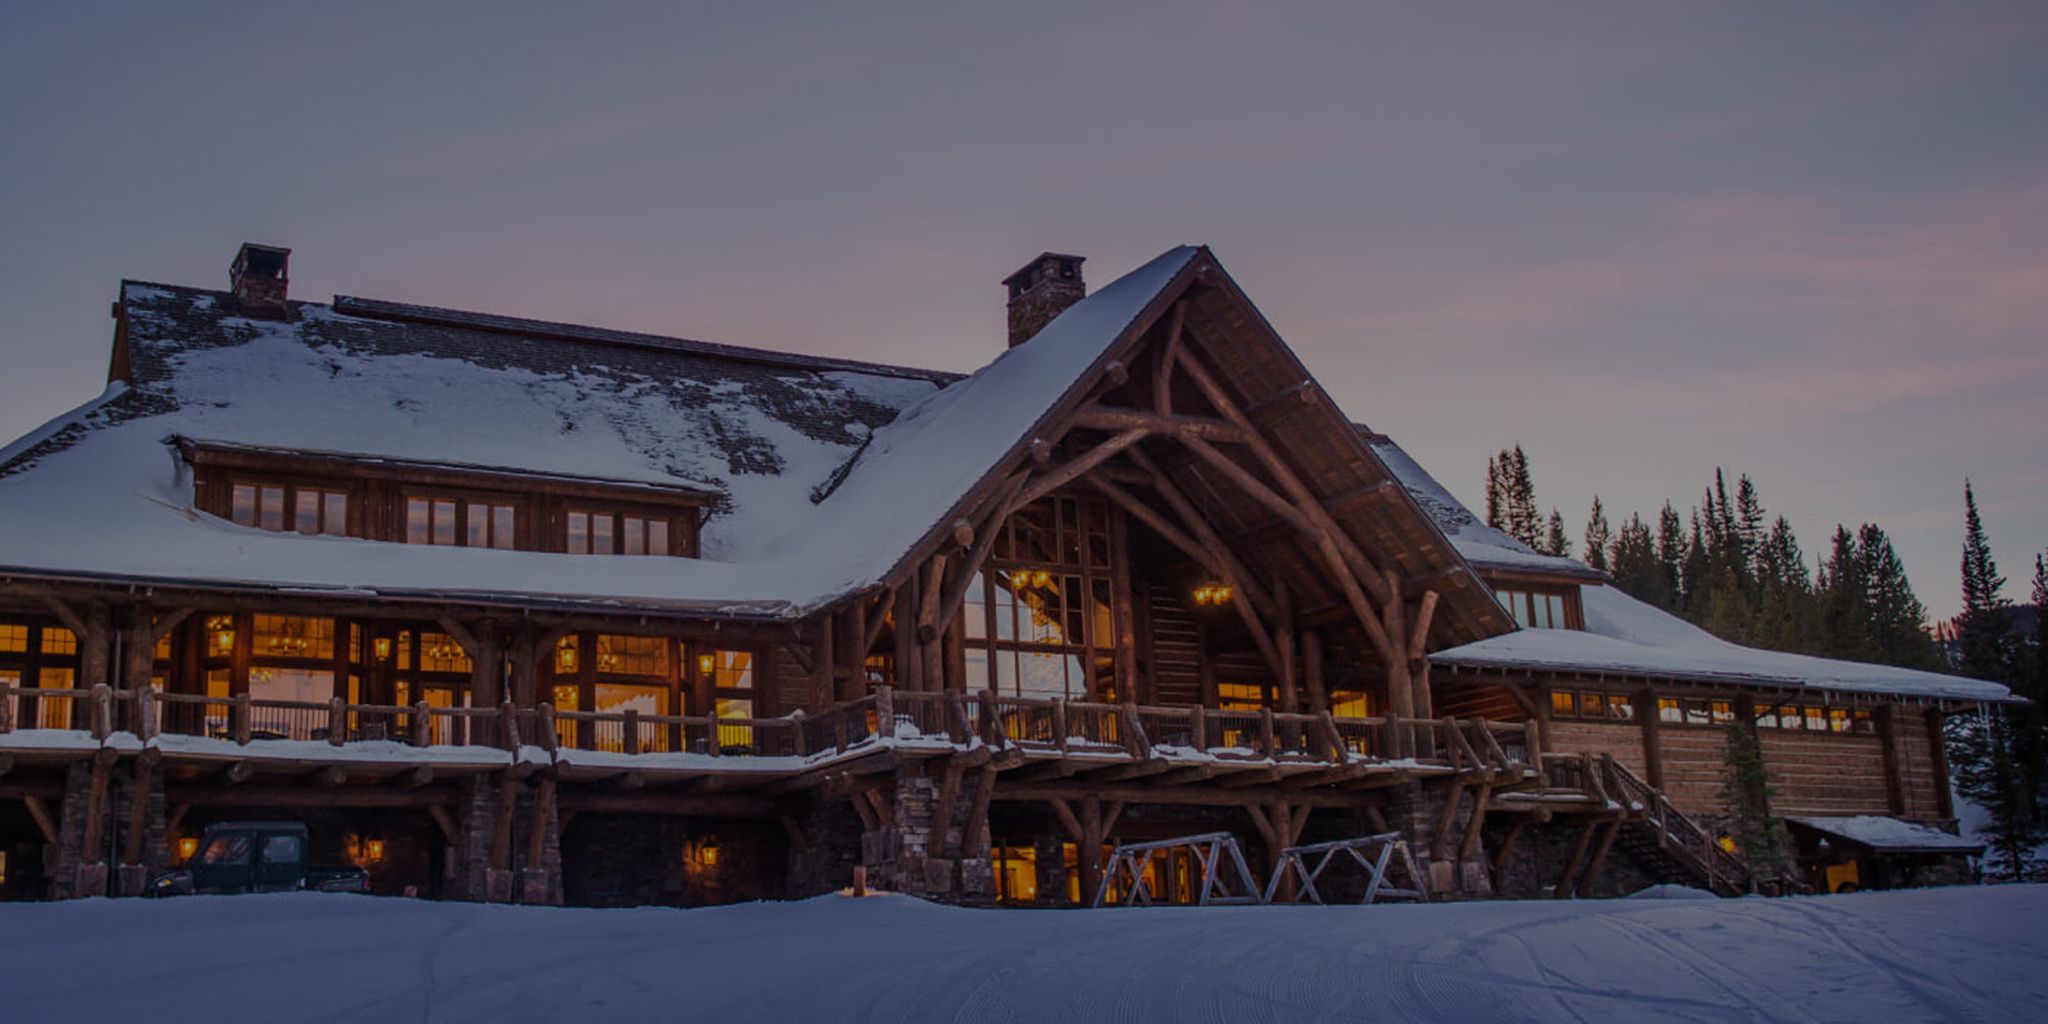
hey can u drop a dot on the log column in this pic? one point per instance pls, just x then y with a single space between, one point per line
1653 742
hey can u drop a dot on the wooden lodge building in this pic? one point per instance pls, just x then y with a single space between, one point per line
521 611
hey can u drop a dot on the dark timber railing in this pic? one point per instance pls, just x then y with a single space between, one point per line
1032 725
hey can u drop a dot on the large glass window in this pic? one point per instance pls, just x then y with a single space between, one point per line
38 656
1040 618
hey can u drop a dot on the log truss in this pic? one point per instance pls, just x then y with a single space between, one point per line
1164 446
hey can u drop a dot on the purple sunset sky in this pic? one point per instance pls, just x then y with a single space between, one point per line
1808 242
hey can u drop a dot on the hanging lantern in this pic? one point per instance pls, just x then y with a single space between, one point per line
383 648
223 630
188 846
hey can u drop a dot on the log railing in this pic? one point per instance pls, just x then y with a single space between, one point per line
1050 725
1605 780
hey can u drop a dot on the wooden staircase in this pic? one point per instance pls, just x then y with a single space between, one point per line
1670 846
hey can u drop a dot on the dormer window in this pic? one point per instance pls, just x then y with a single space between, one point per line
594 532
1533 609
301 508
385 499
469 522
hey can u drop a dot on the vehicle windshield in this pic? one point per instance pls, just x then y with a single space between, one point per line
230 849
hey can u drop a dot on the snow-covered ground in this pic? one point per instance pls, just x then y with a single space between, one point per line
1954 954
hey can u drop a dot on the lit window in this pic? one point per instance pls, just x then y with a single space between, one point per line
1350 705
1766 716
292 636
632 655
13 638
1696 713
1564 703
1620 706
1722 711
1240 696
440 653
1816 719
1668 710
1838 720
58 640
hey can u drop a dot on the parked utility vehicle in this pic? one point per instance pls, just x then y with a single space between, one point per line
256 856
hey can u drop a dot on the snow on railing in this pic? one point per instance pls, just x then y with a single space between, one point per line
1051 725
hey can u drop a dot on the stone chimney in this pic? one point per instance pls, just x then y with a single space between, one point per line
258 279
1042 290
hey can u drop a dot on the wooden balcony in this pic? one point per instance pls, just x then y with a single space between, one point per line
1066 738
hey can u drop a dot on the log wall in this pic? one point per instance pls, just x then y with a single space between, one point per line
1825 773
1693 764
1622 739
1922 780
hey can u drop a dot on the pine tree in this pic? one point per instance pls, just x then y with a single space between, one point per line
1983 625
1895 619
1844 600
1495 510
1746 793
1693 572
1636 568
1785 601
1523 521
1987 751
1597 536
1748 534
1670 558
1554 540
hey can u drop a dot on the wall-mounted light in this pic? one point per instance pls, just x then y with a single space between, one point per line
1727 843
373 849
383 648
706 663
187 847
1210 594
707 853
565 658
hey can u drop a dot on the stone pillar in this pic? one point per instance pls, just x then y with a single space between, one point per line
76 866
540 825
1416 811
1050 853
913 852
468 866
144 851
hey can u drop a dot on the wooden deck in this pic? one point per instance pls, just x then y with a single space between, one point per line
1040 746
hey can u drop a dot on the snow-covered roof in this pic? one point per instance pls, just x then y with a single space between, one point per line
1624 636
1482 545
1889 835
829 471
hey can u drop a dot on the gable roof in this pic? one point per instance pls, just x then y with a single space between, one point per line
802 452
1624 636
